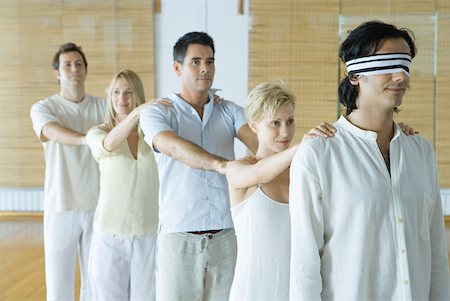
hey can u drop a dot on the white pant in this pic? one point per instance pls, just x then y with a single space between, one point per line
122 267
195 267
66 236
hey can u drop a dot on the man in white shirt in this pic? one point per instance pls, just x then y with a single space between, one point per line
367 221
71 174
193 141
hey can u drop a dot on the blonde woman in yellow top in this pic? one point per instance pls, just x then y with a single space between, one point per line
122 258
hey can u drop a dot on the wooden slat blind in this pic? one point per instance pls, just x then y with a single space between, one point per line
113 34
298 41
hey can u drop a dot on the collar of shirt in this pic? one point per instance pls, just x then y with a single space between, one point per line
364 134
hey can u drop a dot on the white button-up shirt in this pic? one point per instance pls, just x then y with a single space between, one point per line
193 199
360 233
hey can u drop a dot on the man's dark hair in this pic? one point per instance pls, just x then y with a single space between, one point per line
181 46
366 40
64 48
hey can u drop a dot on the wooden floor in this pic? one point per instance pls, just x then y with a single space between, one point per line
22 258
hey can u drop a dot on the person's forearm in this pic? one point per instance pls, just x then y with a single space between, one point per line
120 132
189 153
270 167
57 133
195 157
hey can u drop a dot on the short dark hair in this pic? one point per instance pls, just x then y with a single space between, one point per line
181 46
366 40
64 48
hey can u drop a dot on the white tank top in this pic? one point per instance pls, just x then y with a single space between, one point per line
263 233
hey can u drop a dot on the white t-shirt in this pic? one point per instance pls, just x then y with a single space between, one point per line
128 202
71 173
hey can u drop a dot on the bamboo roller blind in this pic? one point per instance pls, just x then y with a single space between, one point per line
298 41
114 34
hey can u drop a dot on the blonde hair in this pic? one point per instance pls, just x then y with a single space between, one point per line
267 98
136 87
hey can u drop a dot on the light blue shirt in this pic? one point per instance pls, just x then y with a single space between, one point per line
193 199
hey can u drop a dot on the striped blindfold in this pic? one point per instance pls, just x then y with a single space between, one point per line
379 64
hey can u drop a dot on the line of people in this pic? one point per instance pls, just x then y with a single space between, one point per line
167 176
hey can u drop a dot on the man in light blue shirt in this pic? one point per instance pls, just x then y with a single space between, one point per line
193 142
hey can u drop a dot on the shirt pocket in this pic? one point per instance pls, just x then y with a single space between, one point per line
427 206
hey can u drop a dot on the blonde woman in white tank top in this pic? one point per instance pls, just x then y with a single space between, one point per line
259 188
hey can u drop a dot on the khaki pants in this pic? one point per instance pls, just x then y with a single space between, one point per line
195 267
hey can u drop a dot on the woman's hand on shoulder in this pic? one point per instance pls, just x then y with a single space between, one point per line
157 101
218 99
324 129
409 131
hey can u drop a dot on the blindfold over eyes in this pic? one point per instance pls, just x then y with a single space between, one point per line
379 64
